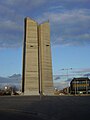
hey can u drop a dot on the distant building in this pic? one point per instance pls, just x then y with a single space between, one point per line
80 86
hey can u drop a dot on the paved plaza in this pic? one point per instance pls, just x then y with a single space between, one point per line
45 108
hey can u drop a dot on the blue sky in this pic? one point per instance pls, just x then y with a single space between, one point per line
70 33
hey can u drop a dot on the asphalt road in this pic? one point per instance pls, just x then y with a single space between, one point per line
45 108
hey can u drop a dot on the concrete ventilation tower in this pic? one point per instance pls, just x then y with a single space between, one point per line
37 64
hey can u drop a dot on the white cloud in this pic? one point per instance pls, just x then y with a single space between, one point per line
32 3
10 41
10 25
11 2
10 34
82 70
55 7
77 0
7 13
70 27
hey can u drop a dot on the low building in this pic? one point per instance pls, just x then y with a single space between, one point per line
80 86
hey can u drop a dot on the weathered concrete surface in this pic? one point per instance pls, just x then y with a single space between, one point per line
30 59
45 59
37 65
46 108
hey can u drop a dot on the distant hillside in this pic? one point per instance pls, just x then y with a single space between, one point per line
14 79
15 76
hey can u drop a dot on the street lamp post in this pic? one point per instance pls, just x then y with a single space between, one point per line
67 73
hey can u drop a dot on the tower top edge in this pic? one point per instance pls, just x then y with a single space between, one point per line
47 21
28 18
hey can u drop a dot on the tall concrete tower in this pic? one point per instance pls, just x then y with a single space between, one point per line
37 66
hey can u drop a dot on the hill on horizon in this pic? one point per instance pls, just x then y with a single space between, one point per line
13 80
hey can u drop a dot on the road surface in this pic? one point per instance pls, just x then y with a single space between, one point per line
45 108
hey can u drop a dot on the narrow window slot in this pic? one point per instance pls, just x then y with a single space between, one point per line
31 45
47 45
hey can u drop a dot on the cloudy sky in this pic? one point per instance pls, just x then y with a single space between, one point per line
70 33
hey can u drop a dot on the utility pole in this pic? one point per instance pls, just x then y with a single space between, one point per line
67 69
